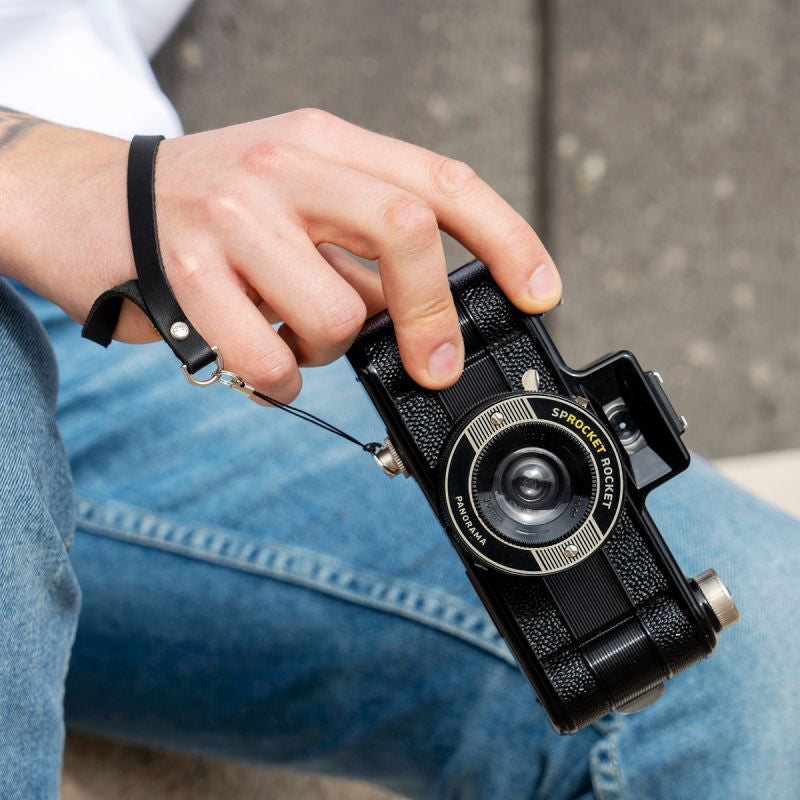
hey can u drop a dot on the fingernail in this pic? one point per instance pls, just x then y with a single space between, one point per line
544 282
443 362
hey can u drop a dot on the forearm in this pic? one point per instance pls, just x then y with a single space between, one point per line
15 124
63 225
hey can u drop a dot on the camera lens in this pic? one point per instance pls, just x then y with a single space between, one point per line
626 429
531 486
533 483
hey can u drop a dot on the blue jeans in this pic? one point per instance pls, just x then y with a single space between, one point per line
253 588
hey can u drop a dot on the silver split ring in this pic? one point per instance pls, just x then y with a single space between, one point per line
219 365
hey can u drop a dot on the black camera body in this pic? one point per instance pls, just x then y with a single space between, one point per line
539 475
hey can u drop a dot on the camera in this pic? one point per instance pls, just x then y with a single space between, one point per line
539 474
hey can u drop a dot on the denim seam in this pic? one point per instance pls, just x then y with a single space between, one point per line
610 723
224 547
608 780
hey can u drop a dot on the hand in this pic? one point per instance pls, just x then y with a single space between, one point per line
251 221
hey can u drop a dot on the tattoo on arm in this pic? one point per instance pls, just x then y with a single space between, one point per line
14 124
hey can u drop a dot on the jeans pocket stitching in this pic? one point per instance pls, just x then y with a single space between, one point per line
227 548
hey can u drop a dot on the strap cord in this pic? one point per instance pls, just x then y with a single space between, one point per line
307 416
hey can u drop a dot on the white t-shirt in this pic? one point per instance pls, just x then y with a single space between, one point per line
85 62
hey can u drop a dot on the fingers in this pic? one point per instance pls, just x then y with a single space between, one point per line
414 276
307 180
377 220
364 280
322 312
220 309
465 206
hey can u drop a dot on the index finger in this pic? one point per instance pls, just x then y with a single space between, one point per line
466 207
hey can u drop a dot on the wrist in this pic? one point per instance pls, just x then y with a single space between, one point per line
63 217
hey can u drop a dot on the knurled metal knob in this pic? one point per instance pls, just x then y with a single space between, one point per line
389 460
718 598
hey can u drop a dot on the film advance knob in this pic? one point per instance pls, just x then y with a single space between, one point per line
718 598
388 459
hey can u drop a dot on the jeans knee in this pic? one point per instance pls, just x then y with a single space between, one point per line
31 452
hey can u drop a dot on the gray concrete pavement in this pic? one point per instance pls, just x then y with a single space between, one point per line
674 204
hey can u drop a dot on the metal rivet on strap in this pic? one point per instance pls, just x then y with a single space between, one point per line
179 330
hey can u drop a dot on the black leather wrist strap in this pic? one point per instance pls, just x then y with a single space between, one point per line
151 292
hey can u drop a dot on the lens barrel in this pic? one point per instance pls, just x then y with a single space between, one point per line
532 483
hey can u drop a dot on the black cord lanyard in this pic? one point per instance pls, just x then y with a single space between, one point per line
368 447
153 295
235 382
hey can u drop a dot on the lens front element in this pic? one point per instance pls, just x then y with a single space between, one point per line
531 485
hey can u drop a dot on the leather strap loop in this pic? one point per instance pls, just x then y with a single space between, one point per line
152 292
105 311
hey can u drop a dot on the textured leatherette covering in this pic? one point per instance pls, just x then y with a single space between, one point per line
590 638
